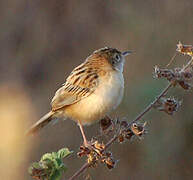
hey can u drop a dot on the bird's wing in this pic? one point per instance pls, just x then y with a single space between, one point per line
82 82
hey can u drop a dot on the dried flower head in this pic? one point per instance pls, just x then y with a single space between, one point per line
164 73
138 129
128 131
83 151
96 153
177 76
168 105
185 49
109 160
106 125
183 77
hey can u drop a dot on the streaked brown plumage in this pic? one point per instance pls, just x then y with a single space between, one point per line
91 91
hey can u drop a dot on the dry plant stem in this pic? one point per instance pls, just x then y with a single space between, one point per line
147 109
190 63
111 141
80 171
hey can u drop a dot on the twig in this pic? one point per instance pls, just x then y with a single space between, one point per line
172 59
81 170
148 108
190 63
111 141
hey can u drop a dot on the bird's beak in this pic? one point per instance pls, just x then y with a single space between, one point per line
126 53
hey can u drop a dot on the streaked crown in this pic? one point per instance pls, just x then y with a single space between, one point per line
114 57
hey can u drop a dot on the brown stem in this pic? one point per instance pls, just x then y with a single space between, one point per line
148 108
111 141
188 64
81 170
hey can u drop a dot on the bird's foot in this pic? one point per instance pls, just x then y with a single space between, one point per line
93 145
88 144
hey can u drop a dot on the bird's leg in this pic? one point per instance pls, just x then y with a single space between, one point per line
86 143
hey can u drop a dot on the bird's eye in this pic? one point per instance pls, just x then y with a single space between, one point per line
117 57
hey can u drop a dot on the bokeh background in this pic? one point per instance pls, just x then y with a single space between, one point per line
42 40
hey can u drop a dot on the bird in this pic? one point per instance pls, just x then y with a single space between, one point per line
91 91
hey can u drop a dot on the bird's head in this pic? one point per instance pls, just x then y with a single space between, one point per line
112 56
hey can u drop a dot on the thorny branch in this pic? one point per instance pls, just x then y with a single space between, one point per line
179 76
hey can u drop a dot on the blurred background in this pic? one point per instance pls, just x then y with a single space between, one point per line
41 41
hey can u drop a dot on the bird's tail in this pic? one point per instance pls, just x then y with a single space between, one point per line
41 123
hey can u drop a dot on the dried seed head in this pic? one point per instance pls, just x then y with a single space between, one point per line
109 154
127 131
183 75
185 49
178 76
129 135
83 151
110 162
138 129
121 138
185 85
105 123
168 105
96 153
108 159
163 73
92 159
188 74
99 146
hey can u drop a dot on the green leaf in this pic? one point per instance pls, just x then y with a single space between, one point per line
62 153
56 176
50 166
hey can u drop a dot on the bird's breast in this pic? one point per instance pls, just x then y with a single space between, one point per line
110 90
104 99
